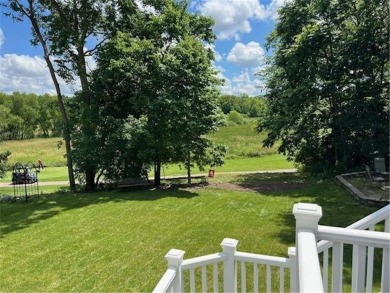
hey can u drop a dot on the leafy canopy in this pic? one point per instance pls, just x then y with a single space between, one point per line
327 82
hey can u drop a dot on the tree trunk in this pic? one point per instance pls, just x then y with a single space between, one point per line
157 172
90 180
66 135
65 121
30 13
90 172
189 167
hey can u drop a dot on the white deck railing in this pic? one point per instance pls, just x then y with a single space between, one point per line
324 248
227 270
223 271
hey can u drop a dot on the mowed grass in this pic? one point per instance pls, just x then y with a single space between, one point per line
265 163
116 241
45 175
269 162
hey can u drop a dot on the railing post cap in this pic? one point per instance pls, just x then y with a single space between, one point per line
307 209
175 257
292 251
229 242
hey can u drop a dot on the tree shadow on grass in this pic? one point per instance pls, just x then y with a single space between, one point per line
338 207
19 215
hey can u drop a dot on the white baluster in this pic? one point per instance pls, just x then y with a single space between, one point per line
386 263
192 280
370 265
293 269
204 279
325 269
243 277
337 267
269 280
358 268
255 278
215 277
281 280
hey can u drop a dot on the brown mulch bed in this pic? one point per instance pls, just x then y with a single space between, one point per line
261 187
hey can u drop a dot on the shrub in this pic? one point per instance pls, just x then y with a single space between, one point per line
235 117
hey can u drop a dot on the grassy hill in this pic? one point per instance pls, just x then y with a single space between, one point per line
245 153
50 150
242 141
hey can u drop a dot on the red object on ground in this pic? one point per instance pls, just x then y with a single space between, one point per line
211 173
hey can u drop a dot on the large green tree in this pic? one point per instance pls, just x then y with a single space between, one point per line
156 69
62 29
327 85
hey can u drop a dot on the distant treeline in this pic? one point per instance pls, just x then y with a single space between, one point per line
24 116
243 104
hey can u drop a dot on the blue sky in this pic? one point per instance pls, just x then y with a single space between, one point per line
241 27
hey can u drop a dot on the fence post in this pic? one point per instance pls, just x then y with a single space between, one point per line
307 216
175 259
292 254
229 247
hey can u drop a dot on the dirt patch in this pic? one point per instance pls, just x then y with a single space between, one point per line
261 187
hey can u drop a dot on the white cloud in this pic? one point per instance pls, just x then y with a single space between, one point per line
232 16
28 74
249 55
243 83
272 8
1 38
247 84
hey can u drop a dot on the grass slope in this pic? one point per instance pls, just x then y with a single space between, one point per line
245 154
28 150
243 140
116 242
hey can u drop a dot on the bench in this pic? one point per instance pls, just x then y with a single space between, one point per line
133 182
203 178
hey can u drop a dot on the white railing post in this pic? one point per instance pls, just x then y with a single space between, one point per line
229 247
175 259
292 253
309 272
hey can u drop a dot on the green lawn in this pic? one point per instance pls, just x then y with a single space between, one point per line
268 162
116 241
47 174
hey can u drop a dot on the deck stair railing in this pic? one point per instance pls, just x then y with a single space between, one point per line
329 250
226 271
